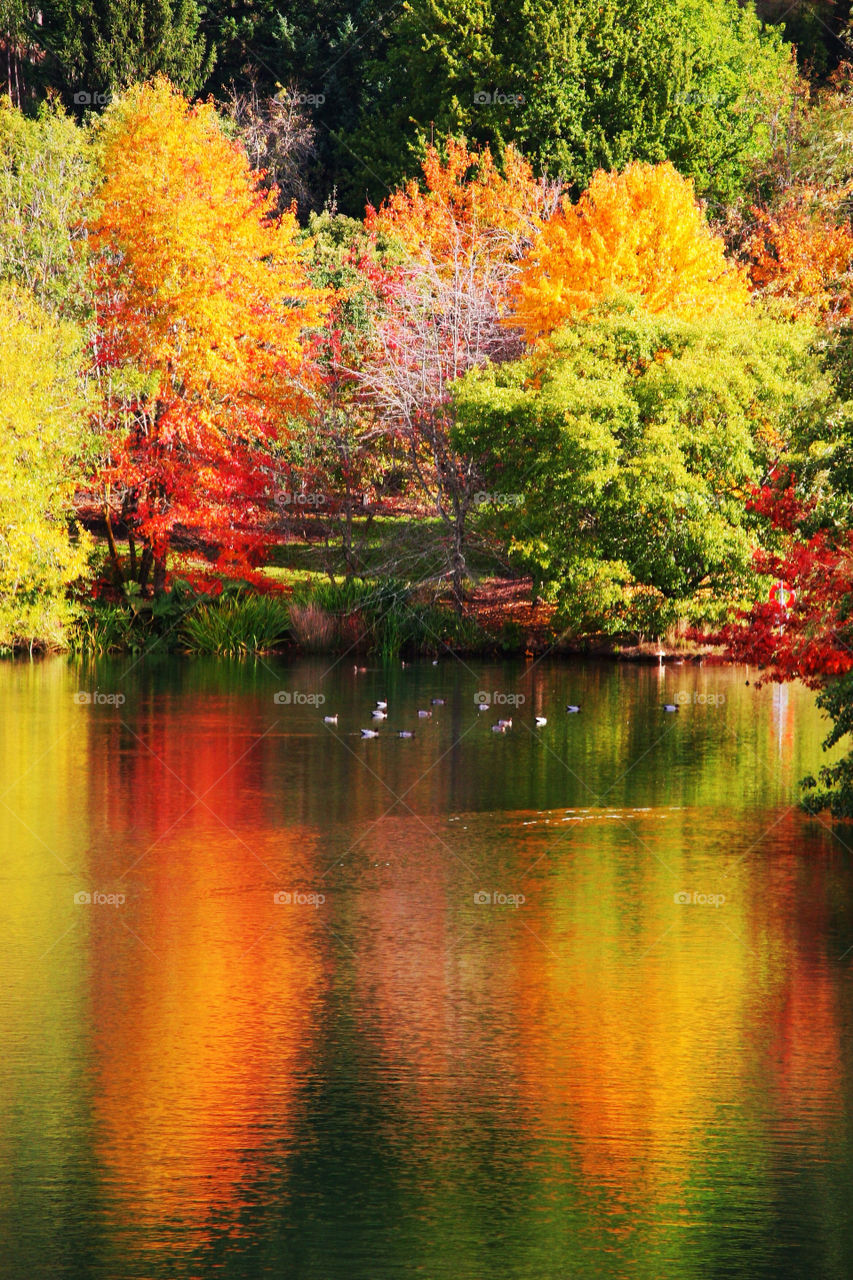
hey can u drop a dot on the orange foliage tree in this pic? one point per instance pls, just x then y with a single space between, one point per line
202 302
640 231
802 251
467 204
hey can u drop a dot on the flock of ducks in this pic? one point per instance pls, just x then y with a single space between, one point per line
380 713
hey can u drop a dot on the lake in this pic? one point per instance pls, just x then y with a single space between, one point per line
562 1002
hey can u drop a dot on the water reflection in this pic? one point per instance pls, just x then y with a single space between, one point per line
633 1058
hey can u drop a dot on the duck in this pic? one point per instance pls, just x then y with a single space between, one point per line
330 719
571 709
670 706
435 662
359 671
424 715
505 724
380 715
437 702
541 721
500 727
383 706
405 733
483 706
369 733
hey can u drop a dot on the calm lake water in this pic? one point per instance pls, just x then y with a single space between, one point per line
286 1036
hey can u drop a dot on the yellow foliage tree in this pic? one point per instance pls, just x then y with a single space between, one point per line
41 422
641 232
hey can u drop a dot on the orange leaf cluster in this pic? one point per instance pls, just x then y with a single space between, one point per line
640 231
467 202
802 252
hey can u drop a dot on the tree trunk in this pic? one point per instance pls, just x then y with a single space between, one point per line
159 582
458 558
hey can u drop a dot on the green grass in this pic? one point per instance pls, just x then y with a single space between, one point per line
386 546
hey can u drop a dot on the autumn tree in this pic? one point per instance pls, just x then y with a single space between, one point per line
800 252
202 302
640 232
41 438
462 234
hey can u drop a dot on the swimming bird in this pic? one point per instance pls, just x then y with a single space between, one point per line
437 702
383 706
369 733
670 706
541 721
359 671
380 715
425 715
506 724
405 733
500 727
571 709
435 662
330 719
483 706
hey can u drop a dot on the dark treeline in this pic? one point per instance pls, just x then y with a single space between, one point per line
364 86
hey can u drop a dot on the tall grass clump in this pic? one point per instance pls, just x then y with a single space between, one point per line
385 618
247 624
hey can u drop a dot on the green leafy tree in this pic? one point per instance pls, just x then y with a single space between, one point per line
578 85
40 433
95 48
47 172
621 456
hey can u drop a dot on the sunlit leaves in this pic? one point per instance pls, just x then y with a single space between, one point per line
640 232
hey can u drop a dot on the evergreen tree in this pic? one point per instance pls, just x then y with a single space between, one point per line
96 47
576 85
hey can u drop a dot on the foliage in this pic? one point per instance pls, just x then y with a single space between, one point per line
202 298
577 85
385 618
618 458
248 624
443 313
640 231
40 416
47 173
95 48
279 138
465 201
801 252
